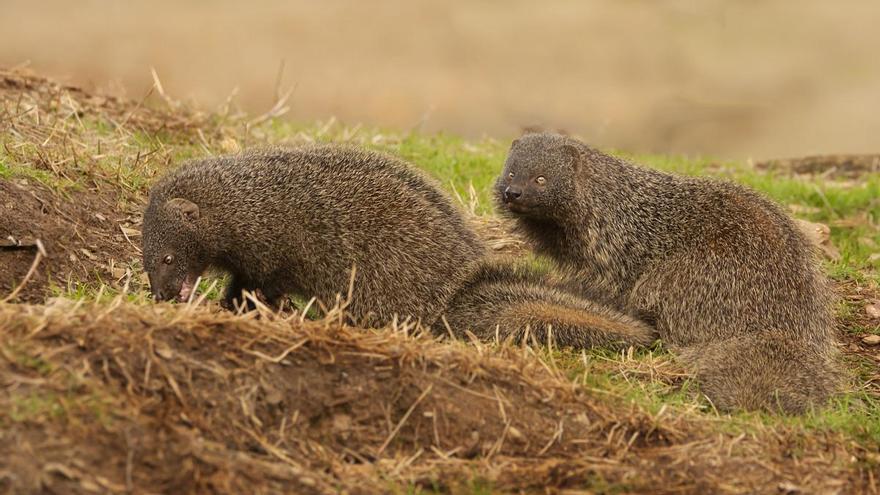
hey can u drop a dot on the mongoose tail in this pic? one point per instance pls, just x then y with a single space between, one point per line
764 371
578 327
507 301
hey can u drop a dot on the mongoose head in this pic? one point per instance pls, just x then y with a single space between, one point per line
538 176
172 258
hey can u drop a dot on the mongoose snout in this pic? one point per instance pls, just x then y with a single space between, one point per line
520 199
512 193
176 289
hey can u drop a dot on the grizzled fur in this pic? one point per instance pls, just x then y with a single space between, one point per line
506 301
724 275
295 221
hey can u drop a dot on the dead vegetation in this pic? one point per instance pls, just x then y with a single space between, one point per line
82 180
116 397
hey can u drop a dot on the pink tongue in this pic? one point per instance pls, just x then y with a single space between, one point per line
186 289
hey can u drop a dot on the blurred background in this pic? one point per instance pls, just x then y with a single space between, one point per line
737 79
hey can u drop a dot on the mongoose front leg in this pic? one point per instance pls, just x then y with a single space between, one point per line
233 298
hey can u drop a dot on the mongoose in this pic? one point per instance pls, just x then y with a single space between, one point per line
295 221
723 274
507 300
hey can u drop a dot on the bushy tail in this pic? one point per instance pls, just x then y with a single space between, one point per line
508 301
769 371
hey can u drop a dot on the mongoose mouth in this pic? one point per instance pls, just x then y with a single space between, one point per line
187 287
517 207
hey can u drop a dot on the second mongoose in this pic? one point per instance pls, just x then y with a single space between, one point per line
723 274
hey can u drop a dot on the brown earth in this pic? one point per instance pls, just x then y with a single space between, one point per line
86 217
82 234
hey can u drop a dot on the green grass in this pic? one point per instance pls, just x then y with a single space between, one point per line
24 404
38 407
10 168
617 377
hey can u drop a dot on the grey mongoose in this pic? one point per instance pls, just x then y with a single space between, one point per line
298 220
723 274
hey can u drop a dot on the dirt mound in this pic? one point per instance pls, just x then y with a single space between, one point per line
158 398
84 235
81 173
23 92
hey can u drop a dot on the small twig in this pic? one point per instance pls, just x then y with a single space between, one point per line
350 294
195 289
556 434
41 253
500 404
277 110
281 356
129 463
204 294
496 447
124 234
305 310
448 328
403 420
159 89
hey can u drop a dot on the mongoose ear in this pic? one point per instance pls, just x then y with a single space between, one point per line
185 207
573 155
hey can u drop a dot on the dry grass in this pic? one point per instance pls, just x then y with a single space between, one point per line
182 398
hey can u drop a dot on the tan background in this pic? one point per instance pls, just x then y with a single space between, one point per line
729 78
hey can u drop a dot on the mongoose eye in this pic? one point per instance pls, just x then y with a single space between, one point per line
540 180
168 259
510 175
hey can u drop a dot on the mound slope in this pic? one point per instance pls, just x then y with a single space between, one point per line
117 397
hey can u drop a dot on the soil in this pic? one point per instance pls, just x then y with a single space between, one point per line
81 232
163 399
20 90
85 217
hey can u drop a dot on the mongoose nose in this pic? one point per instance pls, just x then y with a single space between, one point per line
512 193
